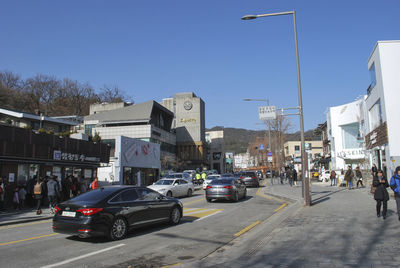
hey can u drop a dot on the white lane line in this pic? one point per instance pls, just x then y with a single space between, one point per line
208 216
81 257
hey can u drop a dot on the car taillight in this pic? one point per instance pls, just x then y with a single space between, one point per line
228 187
89 211
242 177
56 209
208 187
254 177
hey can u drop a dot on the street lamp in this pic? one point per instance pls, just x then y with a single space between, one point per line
305 182
269 134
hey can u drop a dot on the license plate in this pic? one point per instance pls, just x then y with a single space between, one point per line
68 214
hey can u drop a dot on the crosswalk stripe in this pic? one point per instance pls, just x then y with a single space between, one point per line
199 212
192 209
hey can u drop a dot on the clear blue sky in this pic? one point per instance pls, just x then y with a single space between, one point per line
152 49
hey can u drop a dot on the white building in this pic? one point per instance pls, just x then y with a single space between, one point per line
382 104
344 124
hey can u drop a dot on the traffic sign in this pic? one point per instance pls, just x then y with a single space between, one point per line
267 112
261 147
269 154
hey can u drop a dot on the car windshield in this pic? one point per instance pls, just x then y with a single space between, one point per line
164 182
221 182
95 195
249 174
211 177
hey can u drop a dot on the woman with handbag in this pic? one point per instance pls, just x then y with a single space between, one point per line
381 195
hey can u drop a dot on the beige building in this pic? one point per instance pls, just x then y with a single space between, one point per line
292 149
216 150
189 123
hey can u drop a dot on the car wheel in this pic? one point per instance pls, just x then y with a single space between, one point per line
236 197
175 216
119 229
169 194
189 193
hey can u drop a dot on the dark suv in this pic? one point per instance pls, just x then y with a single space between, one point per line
250 178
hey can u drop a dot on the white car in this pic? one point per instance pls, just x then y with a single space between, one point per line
173 187
209 179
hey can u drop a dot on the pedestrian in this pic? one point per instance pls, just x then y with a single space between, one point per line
374 170
53 190
348 177
359 177
74 186
381 195
22 196
282 175
95 183
38 192
395 185
30 202
332 177
295 177
16 198
289 175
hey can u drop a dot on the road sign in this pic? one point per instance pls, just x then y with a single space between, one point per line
269 158
269 154
261 147
266 112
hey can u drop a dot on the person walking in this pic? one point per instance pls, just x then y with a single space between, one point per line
395 185
16 198
332 177
374 170
348 177
294 177
290 175
38 192
95 183
381 195
53 190
22 196
359 177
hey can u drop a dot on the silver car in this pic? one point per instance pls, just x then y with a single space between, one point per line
226 189
209 179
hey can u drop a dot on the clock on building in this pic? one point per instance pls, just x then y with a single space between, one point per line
187 105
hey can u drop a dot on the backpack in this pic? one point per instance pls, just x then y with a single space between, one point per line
37 189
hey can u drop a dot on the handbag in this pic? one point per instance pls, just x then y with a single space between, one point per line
373 189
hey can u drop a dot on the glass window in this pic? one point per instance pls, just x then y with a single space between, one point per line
372 75
222 181
297 147
95 196
147 194
350 133
182 182
375 115
126 196
88 129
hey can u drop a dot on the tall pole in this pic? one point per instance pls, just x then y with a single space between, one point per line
305 183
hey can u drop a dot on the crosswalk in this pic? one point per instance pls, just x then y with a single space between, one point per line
199 213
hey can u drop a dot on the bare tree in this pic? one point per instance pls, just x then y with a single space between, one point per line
111 94
10 85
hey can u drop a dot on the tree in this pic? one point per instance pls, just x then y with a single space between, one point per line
111 94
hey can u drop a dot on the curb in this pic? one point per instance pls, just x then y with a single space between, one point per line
24 221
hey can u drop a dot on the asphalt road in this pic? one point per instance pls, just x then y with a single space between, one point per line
205 228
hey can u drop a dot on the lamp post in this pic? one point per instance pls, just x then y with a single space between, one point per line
305 182
269 134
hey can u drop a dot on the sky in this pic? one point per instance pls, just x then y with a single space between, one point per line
152 49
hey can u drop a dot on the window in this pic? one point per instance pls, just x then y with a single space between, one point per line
148 195
375 115
372 75
182 182
350 133
125 196
297 148
88 129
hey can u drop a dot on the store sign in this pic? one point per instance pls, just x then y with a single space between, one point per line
377 137
357 153
188 120
58 155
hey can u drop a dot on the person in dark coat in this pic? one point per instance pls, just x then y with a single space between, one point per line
381 195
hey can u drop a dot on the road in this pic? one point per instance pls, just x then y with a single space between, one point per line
205 228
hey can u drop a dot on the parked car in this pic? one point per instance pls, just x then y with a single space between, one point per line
182 175
192 173
173 187
226 189
112 211
209 179
250 178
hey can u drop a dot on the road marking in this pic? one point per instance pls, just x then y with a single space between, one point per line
27 239
200 212
283 205
172 265
195 211
81 257
23 224
195 201
202 218
247 228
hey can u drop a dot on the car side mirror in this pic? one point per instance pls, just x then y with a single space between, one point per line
175 184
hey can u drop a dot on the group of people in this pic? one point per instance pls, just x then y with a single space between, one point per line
349 177
288 174
379 189
46 190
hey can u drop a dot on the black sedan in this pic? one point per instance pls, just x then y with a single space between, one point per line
113 211
226 188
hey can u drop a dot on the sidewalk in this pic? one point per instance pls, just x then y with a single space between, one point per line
22 216
340 230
